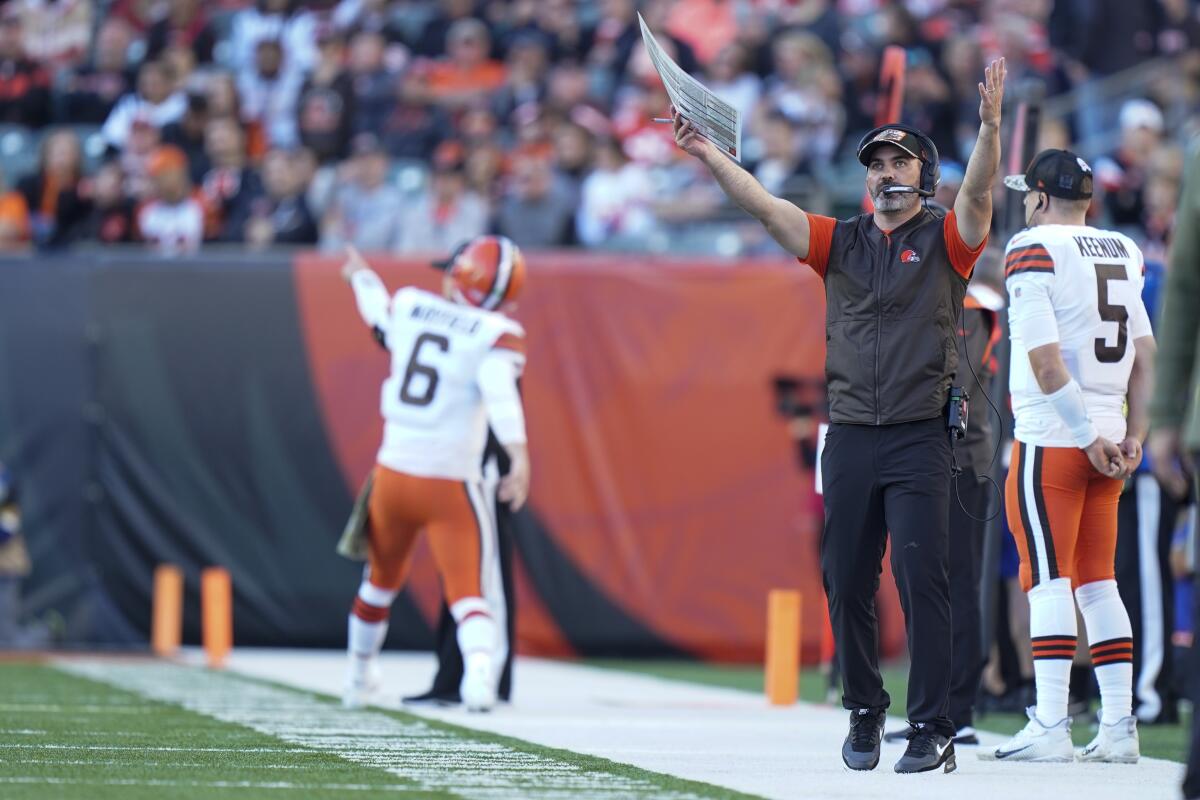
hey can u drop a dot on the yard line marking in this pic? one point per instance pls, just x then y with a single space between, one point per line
429 758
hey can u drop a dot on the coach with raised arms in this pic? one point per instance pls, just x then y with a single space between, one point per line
894 285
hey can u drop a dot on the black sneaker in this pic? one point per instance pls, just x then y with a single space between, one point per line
927 750
966 736
861 748
432 698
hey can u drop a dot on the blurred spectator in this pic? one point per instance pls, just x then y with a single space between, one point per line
447 213
1103 37
281 216
818 17
154 102
14 565
1122 174
947 188
268 94
186 25
527 65
52 193
372 80
616 198
536 211
805 87
172 221
929 102
729 77
432 41
187 134
617 36
108 212
467 73
326 106
483 167
144 139
782 154
230 186
278 20
414 127
24 84
572 157
56 32
707 26
14 221
91 91
859 74
140 14
1164 181
367 211
560 22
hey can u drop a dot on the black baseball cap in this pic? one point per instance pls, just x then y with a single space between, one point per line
893 136
1058 173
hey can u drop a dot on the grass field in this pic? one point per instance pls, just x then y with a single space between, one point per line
153 730
1157 741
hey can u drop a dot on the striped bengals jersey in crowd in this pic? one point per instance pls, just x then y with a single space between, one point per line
1081 287
435 421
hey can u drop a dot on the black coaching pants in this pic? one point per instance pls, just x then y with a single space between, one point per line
966 557
878 479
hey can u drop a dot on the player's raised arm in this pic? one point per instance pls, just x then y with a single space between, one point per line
973 206
370 294
786 223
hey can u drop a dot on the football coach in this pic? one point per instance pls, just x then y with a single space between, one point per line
894 285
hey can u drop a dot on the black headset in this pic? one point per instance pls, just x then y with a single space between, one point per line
931 168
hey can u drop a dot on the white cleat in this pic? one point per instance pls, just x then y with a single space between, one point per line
478 687
1114 744
361 685
1036 742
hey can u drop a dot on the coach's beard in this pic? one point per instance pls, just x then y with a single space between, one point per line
893 202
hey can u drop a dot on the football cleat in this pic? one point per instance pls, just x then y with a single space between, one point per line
1114 744
361 684
1036 742
478 688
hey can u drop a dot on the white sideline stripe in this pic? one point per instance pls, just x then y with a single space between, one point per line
302 787
20 732
426 757
724 737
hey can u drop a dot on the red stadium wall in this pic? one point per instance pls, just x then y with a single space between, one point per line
662 469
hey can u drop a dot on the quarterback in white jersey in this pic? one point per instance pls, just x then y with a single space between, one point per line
1082 367
455 360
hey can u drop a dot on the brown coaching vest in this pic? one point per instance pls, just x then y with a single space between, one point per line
892 302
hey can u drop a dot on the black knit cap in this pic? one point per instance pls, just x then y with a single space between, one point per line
1058 173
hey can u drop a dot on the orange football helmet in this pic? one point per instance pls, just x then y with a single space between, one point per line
489 272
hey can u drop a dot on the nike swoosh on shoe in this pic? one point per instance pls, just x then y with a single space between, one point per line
1007 753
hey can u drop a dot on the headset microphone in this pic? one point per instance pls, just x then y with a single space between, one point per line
902 189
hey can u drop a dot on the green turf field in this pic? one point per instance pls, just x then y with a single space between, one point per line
1157 741
66 736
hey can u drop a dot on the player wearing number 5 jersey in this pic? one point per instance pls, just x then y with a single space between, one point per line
1082 366
455 363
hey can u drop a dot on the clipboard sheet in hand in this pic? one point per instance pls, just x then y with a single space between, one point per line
717 121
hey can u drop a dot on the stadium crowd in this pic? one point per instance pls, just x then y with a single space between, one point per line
410 125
